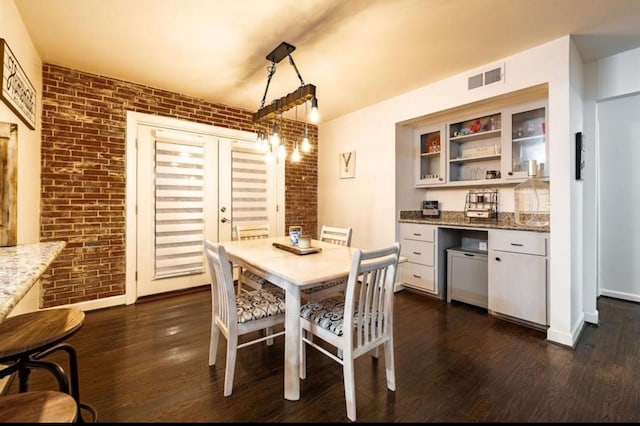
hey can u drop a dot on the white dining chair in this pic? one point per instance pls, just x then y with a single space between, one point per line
357 323
252 232
334 235
237 315
248 278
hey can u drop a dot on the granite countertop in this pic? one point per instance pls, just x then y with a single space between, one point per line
458 219
21 267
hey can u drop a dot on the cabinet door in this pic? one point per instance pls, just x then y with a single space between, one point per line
429 157
518 286
525 140
467 277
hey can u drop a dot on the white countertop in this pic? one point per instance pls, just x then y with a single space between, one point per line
20 268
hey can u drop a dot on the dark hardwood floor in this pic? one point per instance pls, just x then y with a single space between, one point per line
454 363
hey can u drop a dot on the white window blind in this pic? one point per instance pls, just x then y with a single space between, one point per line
249 188
179 209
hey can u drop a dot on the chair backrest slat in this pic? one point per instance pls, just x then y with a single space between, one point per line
251 232
335 235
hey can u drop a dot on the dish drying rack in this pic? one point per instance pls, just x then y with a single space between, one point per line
481 204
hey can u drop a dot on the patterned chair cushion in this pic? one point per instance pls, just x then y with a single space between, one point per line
258 304
329 314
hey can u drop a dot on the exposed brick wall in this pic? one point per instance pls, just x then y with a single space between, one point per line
83 174
301 184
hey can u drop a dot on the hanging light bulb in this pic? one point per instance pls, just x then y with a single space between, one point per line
262 142
295 156
282 151
306 145
268 158
275 137
314 117
265 141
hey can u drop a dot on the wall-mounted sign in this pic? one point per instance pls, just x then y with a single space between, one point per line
17 91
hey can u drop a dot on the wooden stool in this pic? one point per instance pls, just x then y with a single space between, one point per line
26 339
38 407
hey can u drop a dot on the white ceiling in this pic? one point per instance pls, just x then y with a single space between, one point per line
357 52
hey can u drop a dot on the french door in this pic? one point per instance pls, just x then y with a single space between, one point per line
177 208
192 183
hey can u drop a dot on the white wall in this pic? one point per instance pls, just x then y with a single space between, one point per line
369 202
605 79
13 31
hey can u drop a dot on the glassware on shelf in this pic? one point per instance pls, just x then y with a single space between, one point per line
532 200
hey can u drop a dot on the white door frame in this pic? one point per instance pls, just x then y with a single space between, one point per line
133 120
612 275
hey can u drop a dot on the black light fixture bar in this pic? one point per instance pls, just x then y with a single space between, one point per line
285 103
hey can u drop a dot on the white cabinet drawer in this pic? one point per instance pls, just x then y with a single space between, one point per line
416 231
524 242
419 276
418 251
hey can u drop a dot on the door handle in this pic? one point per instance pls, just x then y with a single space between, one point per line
223 209
224 220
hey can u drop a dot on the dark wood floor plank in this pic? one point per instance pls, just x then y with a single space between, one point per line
148 362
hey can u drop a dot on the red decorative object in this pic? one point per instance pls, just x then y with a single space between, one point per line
475 127
434 144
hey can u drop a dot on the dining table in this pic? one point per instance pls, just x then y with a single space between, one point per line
293 273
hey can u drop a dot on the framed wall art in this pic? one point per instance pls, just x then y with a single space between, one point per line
17 91
347 162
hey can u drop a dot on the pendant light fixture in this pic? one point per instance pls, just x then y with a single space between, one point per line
303 94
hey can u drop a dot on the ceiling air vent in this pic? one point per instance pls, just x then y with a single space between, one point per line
486 77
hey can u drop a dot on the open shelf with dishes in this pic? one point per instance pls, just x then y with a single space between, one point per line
474 147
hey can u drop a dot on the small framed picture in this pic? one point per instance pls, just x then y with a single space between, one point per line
347 163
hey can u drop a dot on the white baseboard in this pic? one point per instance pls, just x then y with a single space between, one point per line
91 305
620 295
